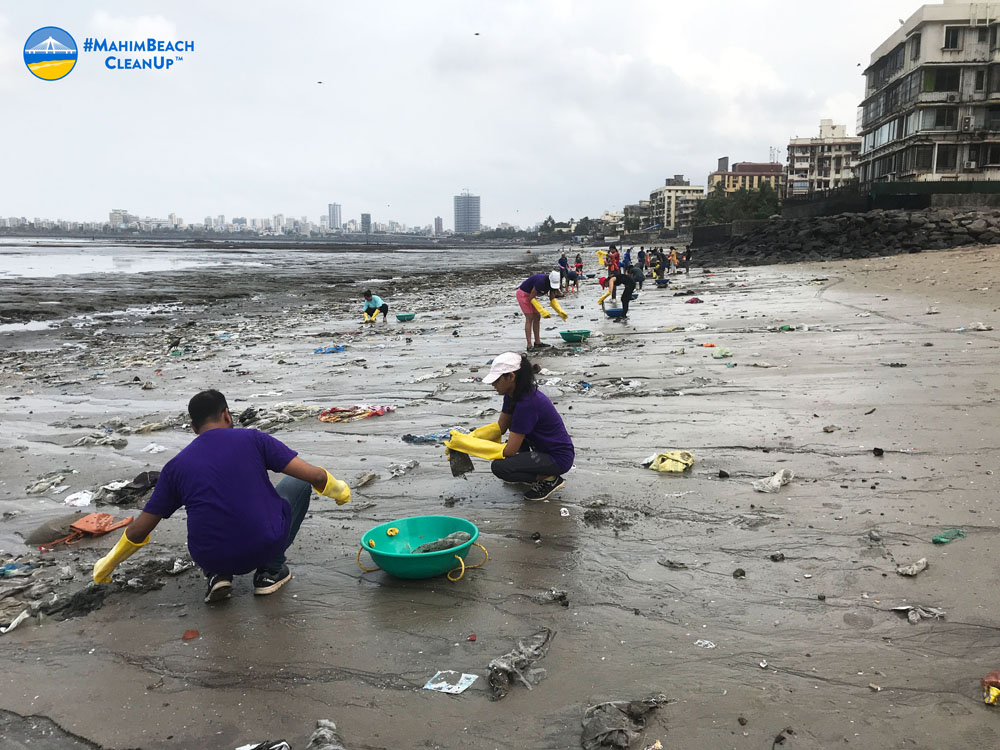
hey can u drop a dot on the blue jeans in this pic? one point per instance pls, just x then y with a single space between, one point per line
297 494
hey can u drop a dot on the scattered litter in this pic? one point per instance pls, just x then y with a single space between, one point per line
431 438
353 413
452 540
831 428
472 638
721 354
153 448
917 612
761 364
15 622
683 371
693 301
518 663
128 492
948 535
980 327
617 724
723 474
672 564
451 682
914 568
894 364
398 470
79 499
564 512
329 349
874 688
671 461
364 480
552 596
326 737
114 442
271 418
460 463
739 573
879 452
47 482
931 311
774 483
762 664
777 556
991 688
870 411
701 643
189 635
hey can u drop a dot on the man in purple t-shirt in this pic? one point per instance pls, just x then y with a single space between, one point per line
237 520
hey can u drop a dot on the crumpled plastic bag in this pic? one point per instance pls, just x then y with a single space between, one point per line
674 461
617 724
913 569
917 612
517 663
326 737
774 483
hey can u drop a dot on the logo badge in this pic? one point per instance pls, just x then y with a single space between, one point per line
50 53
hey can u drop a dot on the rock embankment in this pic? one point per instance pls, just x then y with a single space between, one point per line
867 235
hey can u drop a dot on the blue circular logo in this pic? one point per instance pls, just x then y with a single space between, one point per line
50 53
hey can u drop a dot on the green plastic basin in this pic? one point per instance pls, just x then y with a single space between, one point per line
574 337
405 316
393 553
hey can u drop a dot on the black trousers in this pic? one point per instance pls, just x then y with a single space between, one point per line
526 466
628 289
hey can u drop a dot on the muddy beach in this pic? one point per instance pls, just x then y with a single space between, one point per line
828 362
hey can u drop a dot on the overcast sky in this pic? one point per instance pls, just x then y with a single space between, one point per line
539 106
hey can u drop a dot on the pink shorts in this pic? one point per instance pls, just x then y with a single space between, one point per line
524 300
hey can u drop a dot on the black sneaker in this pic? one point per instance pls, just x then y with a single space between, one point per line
541 345
542 489
219 587
269 581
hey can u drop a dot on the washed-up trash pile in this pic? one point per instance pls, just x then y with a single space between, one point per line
518 664
329 349
127 492
617 724
353 413
432 438
271 418
98 439
672 461
326 737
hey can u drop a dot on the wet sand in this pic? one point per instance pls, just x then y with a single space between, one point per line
647 559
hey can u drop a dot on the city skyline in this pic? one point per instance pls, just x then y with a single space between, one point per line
606 120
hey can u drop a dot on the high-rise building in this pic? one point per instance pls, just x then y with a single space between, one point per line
116 217
466 213
672 206
929 112
333 216
438 225
824 163
366 223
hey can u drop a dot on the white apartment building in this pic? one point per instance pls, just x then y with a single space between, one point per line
672 206
824 163
932 99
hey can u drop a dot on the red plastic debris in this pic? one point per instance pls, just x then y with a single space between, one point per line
189 635
472 637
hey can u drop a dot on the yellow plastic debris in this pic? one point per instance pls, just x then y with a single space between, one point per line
676 461
391 532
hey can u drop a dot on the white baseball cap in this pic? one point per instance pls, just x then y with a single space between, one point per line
502 364
554 278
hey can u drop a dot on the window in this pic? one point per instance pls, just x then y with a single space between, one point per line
941 118
952 37
942 79
993 155
983 35
993 118
915 47
974 152
947 158
922 156
980 80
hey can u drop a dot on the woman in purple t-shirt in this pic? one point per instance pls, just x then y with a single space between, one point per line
538 450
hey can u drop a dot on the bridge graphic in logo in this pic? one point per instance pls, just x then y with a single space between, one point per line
50 53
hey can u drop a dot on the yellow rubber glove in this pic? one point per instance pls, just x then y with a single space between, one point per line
336 489
489 432
541 310
121 551
474 446
603 297
558 308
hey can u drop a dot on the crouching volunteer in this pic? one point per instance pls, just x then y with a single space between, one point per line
374 305
237 521
538 450
527 298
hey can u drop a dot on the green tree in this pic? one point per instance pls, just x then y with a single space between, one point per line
585 226
548 226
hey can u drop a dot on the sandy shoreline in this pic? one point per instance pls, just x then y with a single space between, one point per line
356 648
